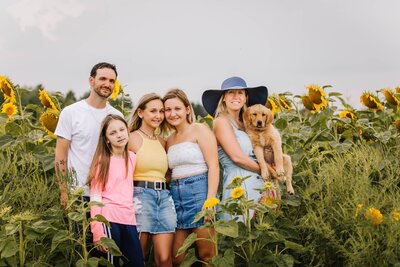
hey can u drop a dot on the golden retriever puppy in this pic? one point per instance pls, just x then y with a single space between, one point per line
267 144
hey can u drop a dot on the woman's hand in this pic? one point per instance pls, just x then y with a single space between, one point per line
207 218
99 247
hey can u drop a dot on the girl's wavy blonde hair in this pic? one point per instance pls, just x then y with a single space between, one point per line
136 121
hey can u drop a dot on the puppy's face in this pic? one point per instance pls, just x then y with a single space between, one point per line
258 116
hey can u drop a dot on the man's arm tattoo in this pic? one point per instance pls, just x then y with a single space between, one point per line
58 167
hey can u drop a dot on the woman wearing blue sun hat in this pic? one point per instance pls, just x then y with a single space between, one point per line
235 150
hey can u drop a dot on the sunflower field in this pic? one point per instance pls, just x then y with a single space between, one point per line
345 211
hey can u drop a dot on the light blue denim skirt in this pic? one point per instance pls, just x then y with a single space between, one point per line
155 210
189 195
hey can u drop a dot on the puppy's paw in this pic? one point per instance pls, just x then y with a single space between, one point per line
290 189
265 174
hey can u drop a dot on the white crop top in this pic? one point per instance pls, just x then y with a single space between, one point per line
186 159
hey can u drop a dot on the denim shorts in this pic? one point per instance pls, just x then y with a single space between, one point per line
155 211
189 195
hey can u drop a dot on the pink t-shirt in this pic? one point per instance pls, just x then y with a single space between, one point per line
117 196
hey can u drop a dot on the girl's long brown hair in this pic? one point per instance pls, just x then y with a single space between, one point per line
98 173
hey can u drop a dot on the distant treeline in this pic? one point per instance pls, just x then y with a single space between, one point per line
31 97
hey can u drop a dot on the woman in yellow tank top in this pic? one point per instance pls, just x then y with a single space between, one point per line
154 207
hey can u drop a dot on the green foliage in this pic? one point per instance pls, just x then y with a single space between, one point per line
199 110
247 239
34 230
335 203
343 167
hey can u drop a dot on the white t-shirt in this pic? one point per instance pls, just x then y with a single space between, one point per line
80 123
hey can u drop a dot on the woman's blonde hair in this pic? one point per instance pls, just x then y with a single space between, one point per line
136 121
178 93
222 109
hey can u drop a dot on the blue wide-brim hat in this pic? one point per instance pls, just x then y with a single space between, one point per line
255 95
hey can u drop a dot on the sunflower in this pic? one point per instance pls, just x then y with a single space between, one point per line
340 128
116 91
397 89
391 97
49 121
284 103
269 185
238 192
323 104
316 94
210 202
374 215
10 109
46 100
371 101
267 200
308 104
7 89
271 104
347 114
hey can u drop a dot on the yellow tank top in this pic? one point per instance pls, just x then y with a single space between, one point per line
151 162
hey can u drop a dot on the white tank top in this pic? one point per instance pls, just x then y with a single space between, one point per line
186 159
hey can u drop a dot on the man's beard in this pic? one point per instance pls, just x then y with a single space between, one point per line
98 91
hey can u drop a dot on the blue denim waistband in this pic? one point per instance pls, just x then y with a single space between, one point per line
191 179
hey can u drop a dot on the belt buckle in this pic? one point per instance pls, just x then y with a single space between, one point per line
157 186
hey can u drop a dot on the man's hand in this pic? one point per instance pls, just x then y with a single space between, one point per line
64 199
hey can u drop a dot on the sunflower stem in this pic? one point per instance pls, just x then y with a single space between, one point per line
122 99
297 110
21 111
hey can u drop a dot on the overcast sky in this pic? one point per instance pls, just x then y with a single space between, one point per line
195 45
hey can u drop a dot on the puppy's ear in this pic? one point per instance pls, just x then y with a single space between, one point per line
270 117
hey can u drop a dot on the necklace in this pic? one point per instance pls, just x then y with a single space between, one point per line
152 137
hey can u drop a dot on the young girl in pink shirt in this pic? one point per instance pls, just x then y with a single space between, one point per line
111 183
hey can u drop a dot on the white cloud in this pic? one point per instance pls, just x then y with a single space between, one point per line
44 14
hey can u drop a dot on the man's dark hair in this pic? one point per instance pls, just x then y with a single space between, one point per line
103 65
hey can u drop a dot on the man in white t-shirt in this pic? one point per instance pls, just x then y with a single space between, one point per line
78 128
